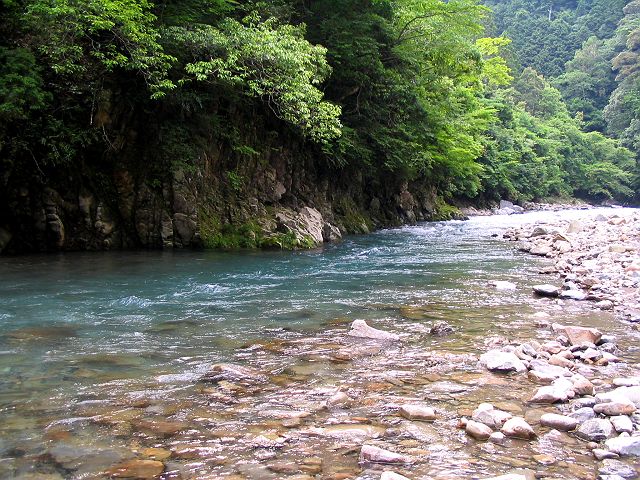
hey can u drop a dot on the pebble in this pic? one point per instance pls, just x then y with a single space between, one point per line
615 408
622 423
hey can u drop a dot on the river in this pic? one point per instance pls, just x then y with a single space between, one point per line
101 356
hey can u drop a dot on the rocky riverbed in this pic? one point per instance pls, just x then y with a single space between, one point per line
489 381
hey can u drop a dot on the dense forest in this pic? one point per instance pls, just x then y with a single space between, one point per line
212 122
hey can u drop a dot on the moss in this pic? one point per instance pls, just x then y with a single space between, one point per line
352 218
250 235
443 211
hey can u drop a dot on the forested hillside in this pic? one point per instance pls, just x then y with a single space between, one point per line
130 123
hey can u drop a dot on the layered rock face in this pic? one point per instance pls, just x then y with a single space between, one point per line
284 194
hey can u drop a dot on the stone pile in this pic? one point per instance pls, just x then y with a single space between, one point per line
596 259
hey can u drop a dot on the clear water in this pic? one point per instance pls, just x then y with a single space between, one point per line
95 344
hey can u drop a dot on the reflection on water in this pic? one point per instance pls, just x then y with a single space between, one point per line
101 353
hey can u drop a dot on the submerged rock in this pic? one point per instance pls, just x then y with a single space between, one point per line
233 373
392 476
140 469
441 328
371 453
360 329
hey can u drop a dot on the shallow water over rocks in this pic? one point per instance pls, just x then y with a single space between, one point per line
102 357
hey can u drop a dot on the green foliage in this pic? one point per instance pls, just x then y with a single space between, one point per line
115 33
268 61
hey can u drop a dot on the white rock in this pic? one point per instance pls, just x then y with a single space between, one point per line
624 446
498 438
503 285
546 290
560 390
499 361
359 328
578 335
621 394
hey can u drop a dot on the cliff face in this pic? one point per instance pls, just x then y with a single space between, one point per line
266 188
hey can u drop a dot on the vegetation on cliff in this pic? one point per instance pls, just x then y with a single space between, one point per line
414 90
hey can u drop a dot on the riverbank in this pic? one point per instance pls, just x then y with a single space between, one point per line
595 259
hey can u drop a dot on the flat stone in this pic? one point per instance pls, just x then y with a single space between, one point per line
360 329
624 446
615 408
517 427
477 430
578 335
602 454
595 430
373 454
490 416
418 412
503 362
141 469
559 422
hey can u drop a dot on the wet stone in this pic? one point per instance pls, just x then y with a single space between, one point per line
559 422
517 427
616 467
490 416
502 362
622 424
360 329
477 430
595 430
373 454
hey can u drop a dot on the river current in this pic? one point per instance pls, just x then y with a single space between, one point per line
101 356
